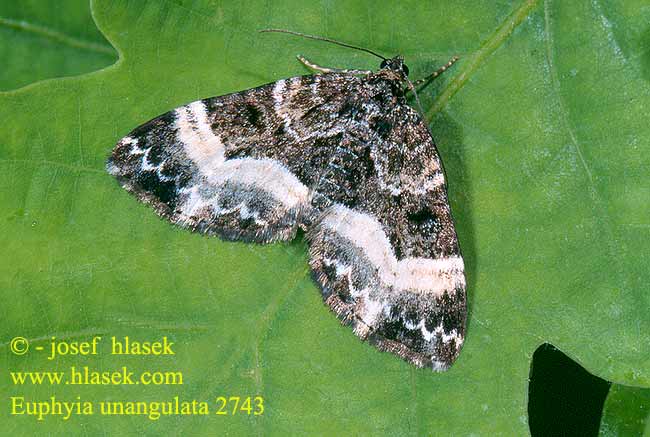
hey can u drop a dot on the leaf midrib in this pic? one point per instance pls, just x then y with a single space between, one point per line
57 36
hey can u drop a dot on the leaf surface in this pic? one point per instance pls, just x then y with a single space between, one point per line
41 40
626 412
543 130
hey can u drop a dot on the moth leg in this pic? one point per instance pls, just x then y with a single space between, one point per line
320 69
436 73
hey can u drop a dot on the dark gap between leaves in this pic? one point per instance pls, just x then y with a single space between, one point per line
563 398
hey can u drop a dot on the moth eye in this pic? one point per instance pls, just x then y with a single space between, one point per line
405 69
384 63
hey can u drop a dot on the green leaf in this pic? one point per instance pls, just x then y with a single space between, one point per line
626 412
40 40
541 126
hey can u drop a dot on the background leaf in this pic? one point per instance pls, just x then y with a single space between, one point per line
542 127
626 412
40 40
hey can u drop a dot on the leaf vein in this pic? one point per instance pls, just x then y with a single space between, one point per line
51 163
501 34
556 89
57 36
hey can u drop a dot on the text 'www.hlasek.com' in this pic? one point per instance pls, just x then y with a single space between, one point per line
88 383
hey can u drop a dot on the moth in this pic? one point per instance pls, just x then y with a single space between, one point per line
341 156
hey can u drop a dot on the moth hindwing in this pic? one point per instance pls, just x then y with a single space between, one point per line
341 156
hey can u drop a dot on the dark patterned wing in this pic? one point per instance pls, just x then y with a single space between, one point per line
242 165
340 156
387 257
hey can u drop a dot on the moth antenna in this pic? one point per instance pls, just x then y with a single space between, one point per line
322 38
425 80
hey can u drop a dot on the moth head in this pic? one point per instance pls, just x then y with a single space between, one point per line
396 65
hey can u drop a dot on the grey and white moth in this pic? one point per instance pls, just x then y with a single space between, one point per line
340 155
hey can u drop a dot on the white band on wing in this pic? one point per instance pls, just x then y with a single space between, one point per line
426 275
207 151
